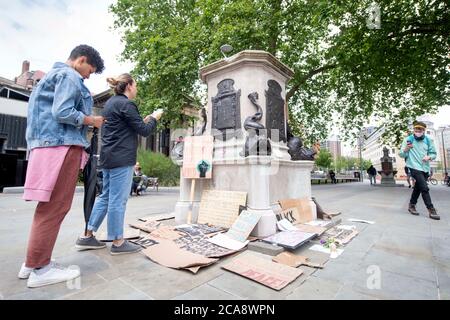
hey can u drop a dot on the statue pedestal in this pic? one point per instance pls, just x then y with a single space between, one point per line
388 180
266 180
265 177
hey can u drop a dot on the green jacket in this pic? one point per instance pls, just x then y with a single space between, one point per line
420 149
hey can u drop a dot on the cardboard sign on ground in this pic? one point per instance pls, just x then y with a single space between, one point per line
168 254
199 244
148 226
311 229
243 226
296 210
290 239
225 241
197 157
166 232
129 233
145 241
293 260
266 272
158 217
198 229
285 225
220 208
341 234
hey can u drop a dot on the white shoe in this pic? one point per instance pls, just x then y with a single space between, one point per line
51 274
25 272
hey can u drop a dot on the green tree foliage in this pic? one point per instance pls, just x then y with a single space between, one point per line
346 71
324 159
349 163
159 166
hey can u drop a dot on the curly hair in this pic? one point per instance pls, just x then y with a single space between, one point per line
92 55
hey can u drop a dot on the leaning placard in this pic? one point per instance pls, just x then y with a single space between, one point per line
220 208
197 157
271 274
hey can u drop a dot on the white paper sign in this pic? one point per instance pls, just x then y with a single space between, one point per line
225 241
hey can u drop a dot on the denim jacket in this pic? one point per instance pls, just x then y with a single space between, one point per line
57 108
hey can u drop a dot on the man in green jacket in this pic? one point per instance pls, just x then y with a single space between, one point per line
418 150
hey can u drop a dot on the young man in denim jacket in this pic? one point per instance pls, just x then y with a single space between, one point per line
59 113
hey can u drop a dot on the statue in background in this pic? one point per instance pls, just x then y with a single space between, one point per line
296 149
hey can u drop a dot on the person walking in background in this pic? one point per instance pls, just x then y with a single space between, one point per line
418 150
372 172
409 179
59 113
137 177
332 176
117 160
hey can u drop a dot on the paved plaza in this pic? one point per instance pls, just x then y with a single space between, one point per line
399 257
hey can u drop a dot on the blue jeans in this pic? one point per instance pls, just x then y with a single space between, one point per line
112 201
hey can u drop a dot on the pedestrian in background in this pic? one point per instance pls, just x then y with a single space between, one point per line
418 150
372 172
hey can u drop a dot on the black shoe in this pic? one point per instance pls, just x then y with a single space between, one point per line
412 209
433 214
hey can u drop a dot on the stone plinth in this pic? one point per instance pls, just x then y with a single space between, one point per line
265 178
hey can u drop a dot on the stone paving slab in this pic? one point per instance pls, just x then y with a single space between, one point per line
411 253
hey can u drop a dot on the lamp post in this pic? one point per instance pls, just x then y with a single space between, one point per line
443 149
225 49
360 144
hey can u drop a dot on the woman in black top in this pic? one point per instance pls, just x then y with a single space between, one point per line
118 156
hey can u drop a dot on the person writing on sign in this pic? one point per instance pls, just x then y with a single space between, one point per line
117 159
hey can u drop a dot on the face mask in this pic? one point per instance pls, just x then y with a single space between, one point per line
418 136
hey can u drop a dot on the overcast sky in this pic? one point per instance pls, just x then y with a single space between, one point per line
45 31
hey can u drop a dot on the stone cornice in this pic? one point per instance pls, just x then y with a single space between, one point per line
246 57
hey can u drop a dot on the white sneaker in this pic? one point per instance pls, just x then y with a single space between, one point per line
25 272
51 274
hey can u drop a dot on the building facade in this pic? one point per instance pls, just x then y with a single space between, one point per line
333 146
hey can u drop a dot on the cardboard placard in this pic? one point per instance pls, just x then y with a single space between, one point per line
303 213
290 239
341 234
311 229
224 241
168 254
157 217
198 229
220 208
243 226
148 226
200 245
197 157
293 260
166 232
145 241
266 272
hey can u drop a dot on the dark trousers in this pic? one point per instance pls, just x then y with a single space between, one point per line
421 187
